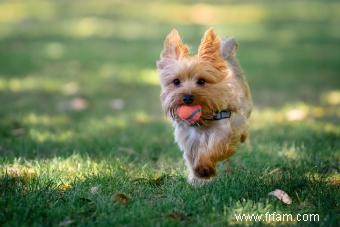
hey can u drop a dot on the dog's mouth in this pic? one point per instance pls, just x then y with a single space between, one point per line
194 115
189 113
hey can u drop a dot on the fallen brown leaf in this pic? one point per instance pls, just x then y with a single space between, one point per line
281 195
120 198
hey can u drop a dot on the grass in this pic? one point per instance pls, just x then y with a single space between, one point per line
83 140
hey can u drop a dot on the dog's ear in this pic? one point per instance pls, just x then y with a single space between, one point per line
229 47
210 49
173 49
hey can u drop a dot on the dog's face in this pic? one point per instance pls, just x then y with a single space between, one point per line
190 80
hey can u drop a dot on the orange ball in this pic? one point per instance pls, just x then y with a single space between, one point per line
190 114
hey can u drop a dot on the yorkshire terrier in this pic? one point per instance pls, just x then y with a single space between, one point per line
211 83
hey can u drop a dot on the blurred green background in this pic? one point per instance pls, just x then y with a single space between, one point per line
78 84
100 55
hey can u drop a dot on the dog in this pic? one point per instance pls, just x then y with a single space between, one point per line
212 81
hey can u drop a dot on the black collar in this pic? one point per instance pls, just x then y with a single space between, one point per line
220 115
216 117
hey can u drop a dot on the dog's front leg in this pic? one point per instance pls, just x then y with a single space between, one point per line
192 177
201 168
203 165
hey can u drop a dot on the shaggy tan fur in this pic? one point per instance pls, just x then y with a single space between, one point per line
225 87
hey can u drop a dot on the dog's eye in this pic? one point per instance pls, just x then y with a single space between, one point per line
200 82
176 82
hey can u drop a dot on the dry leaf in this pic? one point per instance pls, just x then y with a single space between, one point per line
281 195
120 198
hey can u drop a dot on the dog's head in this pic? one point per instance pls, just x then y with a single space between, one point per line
200 79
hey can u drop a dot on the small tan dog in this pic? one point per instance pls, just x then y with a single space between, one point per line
212 85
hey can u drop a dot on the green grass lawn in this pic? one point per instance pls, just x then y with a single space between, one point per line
83 140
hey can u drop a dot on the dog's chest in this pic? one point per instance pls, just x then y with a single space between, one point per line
191 139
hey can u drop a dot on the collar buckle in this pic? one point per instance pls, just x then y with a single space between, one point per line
222 115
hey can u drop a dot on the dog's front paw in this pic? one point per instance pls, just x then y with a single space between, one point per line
205 171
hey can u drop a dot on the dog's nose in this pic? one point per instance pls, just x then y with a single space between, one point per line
188 99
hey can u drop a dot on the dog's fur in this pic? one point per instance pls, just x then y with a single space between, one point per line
225 87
